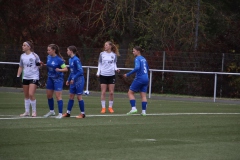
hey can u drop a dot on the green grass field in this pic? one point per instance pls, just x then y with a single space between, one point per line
172 130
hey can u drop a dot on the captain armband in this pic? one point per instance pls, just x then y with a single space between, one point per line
63 65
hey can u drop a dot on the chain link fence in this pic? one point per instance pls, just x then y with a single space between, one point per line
162 83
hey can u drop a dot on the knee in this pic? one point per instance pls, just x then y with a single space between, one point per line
111 93
31 96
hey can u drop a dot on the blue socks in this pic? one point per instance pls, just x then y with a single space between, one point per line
144 105
51 104
81 105
60 106
70 104
133 102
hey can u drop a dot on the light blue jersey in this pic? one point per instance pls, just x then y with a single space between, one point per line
76 75
52 64
141 80
75 67
141 69
55 79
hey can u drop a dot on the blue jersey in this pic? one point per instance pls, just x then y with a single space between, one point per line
75 68
52 64
141 69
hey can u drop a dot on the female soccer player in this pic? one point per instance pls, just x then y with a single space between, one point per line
107 65
56 67
140 82
76 81
29 65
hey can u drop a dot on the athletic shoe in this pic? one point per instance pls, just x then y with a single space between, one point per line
110 110
24 114
132 112
49 114
103 110
143 114
59 116
34 114
81 116
66 115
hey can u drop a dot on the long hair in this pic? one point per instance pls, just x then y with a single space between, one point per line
30 44
114 48
56 49
74 50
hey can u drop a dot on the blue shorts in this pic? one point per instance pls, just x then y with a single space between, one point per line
78 86
55 84
138 86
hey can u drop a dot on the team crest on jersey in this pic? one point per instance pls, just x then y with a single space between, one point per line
112 57
53 63
31 60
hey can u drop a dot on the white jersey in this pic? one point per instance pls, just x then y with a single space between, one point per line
28 62
107 64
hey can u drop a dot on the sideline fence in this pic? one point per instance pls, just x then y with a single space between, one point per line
151 76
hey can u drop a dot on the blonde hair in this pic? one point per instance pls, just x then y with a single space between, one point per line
114 48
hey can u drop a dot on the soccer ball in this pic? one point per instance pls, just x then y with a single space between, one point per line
86 93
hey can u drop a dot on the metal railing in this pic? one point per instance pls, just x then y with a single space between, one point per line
157 70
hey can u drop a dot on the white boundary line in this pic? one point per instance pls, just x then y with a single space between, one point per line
7 117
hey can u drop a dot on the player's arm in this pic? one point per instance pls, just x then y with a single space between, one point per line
20 69
136 68
79 69
63 68
99 64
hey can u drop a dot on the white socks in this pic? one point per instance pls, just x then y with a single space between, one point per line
27 105
33 104
103 103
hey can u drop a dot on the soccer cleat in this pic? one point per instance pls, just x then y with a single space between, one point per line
110 110
103 110
34 114
132 112
81 116
66 115
49 114
59 116
143 114
24 114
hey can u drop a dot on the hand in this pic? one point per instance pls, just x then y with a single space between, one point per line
118 70
39 64
97 75
72 81
57 69
18 80
125 75
67 83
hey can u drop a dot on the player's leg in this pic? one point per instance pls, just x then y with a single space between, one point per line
79 91
49 92
132 102
103 84
111 97
72 92
26 98
32 89
143 94
58 87
70 105
111 86
144 103
81 106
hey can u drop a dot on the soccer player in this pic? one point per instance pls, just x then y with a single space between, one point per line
76 81
29 65
55 67
107 65
140 82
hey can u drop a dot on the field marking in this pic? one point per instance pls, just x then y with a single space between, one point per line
7 117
